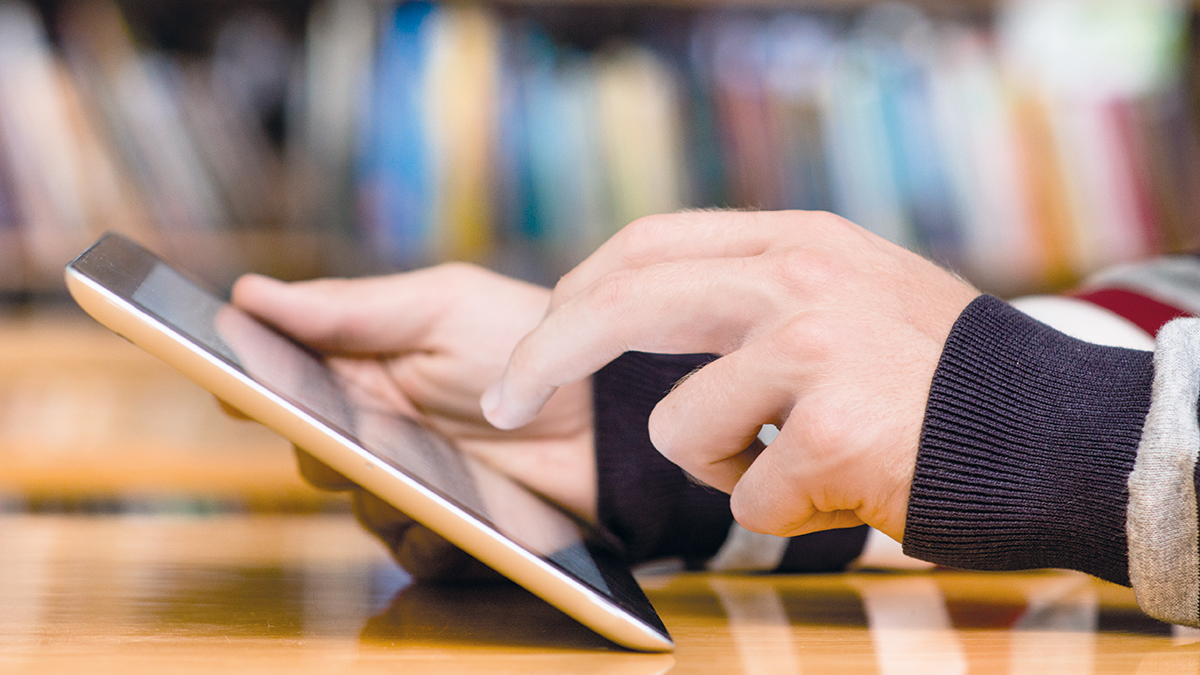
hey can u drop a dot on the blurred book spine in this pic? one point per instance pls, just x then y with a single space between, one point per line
99 132
1024 150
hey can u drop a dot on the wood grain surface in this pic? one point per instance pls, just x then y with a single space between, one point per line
299 594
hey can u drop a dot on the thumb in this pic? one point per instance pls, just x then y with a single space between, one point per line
349 316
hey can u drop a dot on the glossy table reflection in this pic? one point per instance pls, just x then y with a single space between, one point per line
237 594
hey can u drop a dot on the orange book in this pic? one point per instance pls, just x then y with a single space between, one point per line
1049 200
461 87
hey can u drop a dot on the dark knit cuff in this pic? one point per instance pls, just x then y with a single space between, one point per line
645 500
1028 441
649 503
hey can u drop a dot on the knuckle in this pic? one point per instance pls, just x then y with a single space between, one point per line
613 292
565 287
822 428
530 376
806 269
455 270
828 224
522 368
457 278
642 239
569 286
793 267
800 340
831 221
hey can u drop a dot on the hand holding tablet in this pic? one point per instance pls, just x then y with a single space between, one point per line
381 408
424 344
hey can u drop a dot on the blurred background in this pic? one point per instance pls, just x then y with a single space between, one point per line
1024 144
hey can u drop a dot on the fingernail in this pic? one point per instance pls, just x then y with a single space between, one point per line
271 281
266 283
490 401
257 278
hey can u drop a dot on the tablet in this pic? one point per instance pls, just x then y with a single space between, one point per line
274 380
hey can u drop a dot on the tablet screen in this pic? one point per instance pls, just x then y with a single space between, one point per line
298 376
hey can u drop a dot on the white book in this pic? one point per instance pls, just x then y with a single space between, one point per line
136 92
42 157
327 118
981 145
640 131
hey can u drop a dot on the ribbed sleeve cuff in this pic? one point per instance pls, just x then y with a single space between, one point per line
1028 441
645 500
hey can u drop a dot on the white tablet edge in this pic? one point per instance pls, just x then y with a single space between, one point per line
423 505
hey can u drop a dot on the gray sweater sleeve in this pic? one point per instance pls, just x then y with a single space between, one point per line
1039 450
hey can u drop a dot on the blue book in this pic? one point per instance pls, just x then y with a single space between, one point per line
524 46
859 155
705 157
567 166
922 177
396 182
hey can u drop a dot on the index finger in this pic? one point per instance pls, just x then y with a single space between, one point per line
692 235
680 308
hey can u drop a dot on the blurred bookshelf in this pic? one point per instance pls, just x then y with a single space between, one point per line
1024 144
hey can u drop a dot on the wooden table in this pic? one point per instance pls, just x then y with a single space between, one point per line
299 594
86 417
